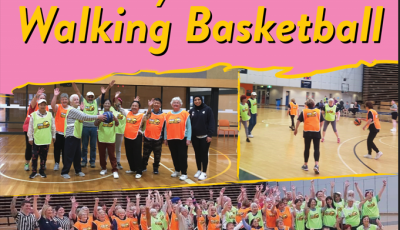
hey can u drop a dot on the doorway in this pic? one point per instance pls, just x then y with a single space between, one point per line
287 97
261 96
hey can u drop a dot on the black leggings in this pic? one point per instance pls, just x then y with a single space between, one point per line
39 151
133 149
59 147
201 147
370 142
28 148
179 155
307 144
292 117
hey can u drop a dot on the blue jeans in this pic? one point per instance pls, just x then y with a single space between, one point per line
253 121
86 133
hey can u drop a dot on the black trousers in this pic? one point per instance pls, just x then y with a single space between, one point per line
58 148
307 146
72 155
179 155
133 149
149 146
39 151
370 142
292 117
28 148
201 147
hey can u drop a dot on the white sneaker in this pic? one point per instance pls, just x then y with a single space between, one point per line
80 174
251 136
368 156
197 174
203 176
183 177
115 174
175 174
138 176
103 172
130 172
378 155
393 130
56 167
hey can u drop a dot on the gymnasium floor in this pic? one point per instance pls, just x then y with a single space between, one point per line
275 153
14 180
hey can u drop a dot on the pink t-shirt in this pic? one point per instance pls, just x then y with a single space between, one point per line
25 127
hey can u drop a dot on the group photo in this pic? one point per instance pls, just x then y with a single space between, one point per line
120 133
338 123
353 203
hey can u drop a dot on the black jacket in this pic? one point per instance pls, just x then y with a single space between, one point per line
202 120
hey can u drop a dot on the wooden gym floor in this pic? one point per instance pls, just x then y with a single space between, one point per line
15 181
275 153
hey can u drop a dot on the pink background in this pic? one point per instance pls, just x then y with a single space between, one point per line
40 63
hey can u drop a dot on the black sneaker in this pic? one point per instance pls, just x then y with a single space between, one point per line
92 165
33 175
316 169
42 174
247 140
155 170
304 167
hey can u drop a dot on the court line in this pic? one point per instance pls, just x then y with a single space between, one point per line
340 157
189 181
252 174
354 150
387 144
226 169
51 182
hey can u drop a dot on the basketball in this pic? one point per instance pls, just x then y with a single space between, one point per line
357 121
109 117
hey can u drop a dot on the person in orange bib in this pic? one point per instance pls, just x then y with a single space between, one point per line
133 139
60 111
283 213
153 134
280 225
313 121
101 223
121 222
178 133
213 219
33 106
374 125
83 222
293 111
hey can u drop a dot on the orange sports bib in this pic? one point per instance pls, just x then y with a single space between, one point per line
176 125
201 223
239 214
154 126
293 108
134 223
375 119
105 225
83 226
286 216
174 223
143 221
123 224
271 219
133 123
213 222
60 118
311 120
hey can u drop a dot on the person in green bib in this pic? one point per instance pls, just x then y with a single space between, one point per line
255 213
244 115
228 214
350 194
314 214
41 132
332 114
106 141
299 215
252 103
329 214
89 132
73 133
337 198
370 208
351 213
366 224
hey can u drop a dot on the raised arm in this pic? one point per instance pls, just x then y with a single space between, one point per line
358 191
312 195
35 208
74 205
36 97
293 193
96 205
138 202
111 210
221 197
332 188
76 90
382 189
14 210
54 105
110 85
346 187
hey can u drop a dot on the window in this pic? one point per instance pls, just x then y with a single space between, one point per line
171 92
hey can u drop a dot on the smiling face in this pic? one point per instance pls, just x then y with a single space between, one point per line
176 105
213 210
280 224
330 103
365 221
101 215
60 212
313 204
336 197
48 212
197 101
89 98
121 213
156 105
64 101
107 105
255 222
26 208
84 216
42 107
75 102
135 107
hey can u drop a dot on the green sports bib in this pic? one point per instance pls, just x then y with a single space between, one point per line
300 220
370 208
106 132
329 218
352 216
156 223
339 206
230 216
244 109
161 216
258 216
330 112
253 108
78 125
314 219
90 108
42 129
371 227
120 129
